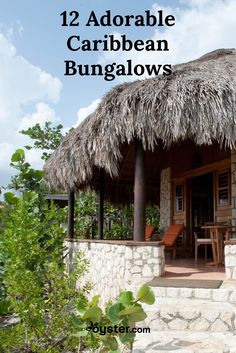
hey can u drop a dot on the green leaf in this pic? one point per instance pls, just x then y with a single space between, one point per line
81 307
127 338
39 174
4 307
146 295
113 312
123 339
10 198
94 314
30 196
94 301
136 317
111 343
83 333
18 156
126 298
130 310
76 321
134 313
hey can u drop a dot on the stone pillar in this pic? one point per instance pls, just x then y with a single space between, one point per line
165 199
233 186
230 259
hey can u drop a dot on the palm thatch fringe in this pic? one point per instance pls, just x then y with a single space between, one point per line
197 101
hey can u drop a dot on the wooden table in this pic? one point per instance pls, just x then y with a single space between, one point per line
217 232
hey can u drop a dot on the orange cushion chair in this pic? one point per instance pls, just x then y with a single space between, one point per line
149 232
170 237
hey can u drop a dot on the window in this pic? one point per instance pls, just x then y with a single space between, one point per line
179 197
223 188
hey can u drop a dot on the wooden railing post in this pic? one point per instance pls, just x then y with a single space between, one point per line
71 211
101 206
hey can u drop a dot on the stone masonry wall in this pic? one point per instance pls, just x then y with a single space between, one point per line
230 261
230 248
114 267
233 186
165 199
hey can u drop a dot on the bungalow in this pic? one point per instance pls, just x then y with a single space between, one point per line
168 140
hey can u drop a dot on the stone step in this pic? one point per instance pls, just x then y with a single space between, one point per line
190 314
185 342
223 294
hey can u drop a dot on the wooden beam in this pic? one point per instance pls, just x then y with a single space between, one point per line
101 206
71 211
139 194
224 163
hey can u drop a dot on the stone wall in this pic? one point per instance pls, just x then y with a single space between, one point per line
230 246
233 186
230 259
165 199
116 266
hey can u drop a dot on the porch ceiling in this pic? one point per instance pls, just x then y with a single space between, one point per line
181 157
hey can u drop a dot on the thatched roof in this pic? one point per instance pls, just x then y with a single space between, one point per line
197 102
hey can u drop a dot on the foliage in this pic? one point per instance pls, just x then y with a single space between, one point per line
26 178
121 220
153 215
2 271
46 139
32 265
4 304
86 214
44 294
11 338
39 289
118 221
114 325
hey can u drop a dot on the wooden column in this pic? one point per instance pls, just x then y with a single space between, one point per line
71 211
139 194
101 206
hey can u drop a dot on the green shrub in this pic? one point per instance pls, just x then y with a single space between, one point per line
39 288
4 304
112 327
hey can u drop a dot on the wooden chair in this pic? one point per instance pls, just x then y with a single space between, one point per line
149 231
170 237
202 241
